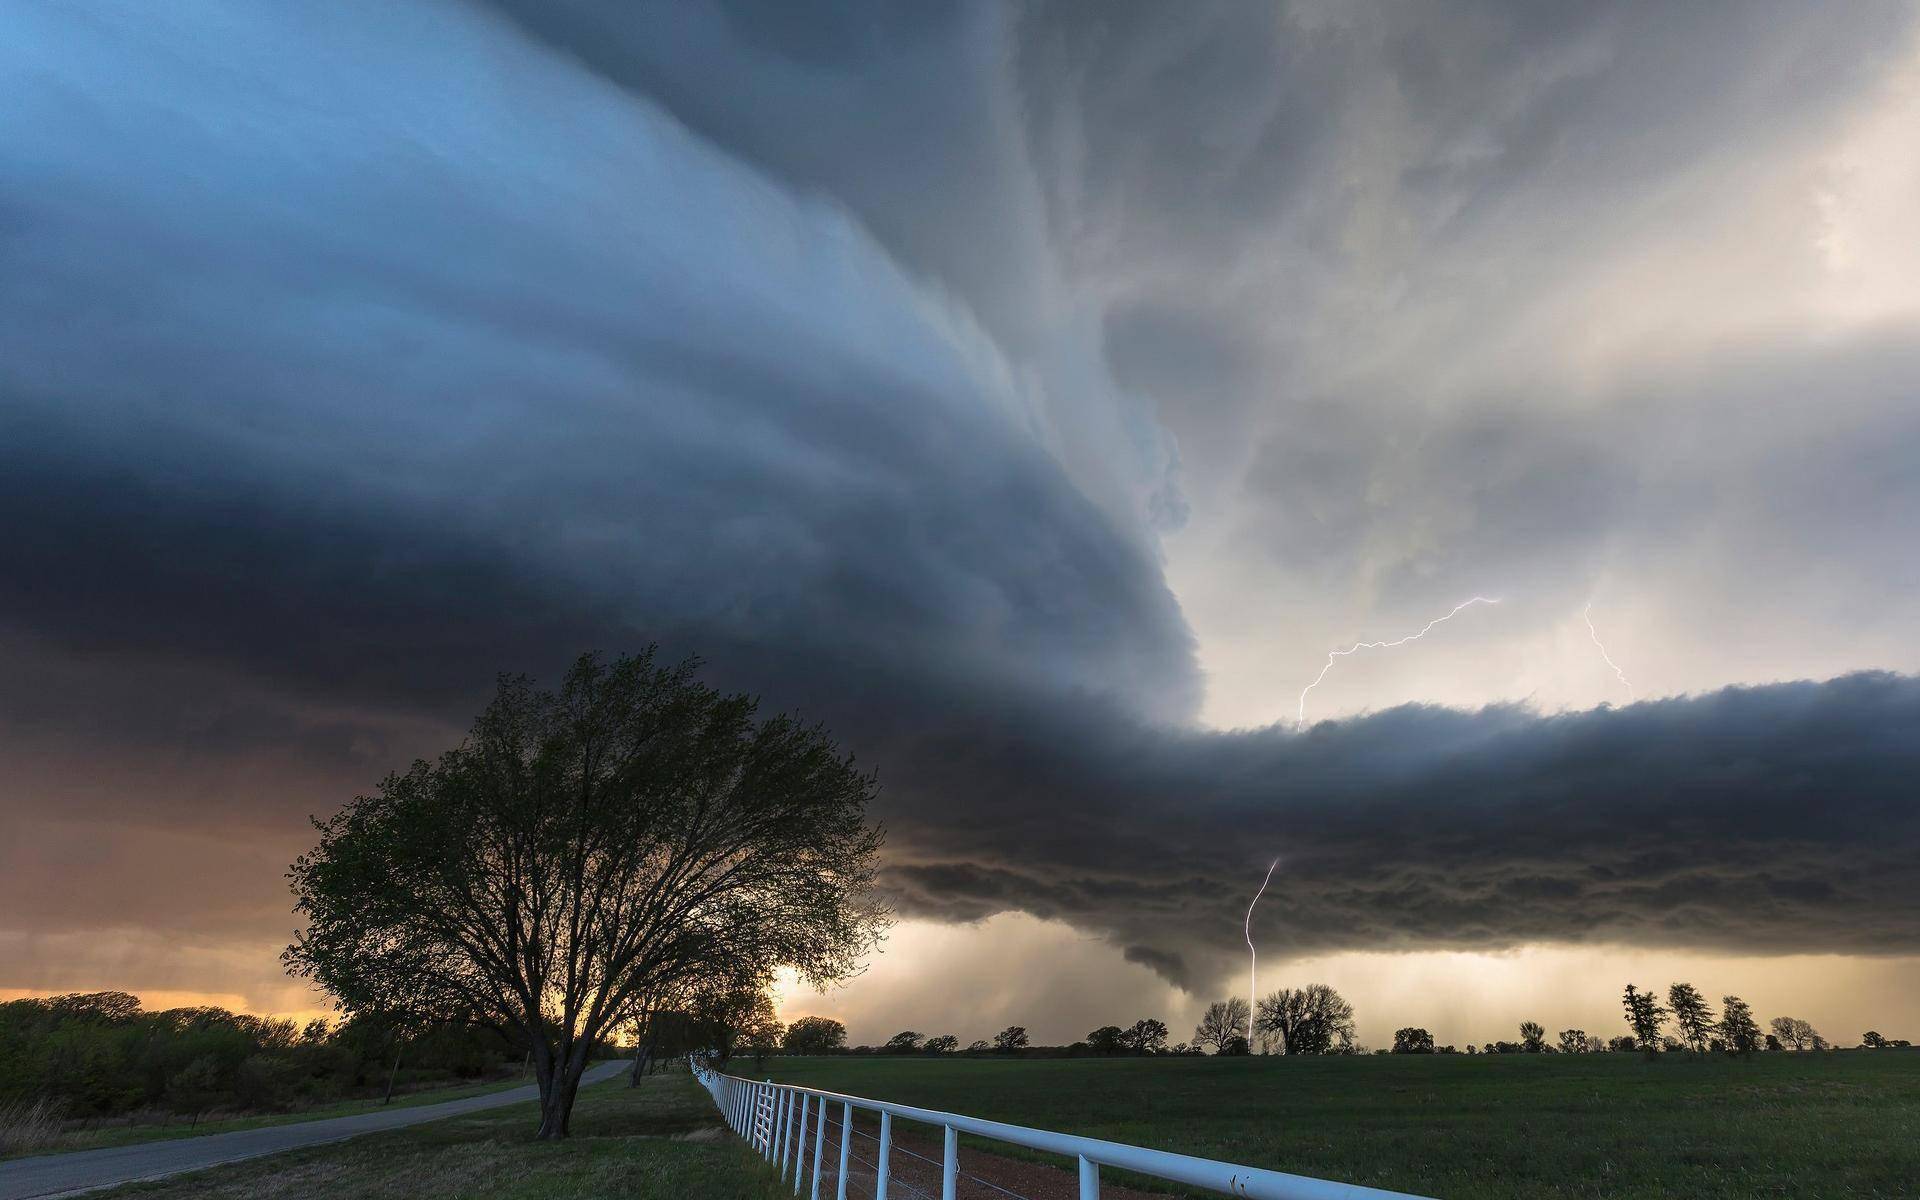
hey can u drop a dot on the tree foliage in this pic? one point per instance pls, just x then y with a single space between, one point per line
814 1035
585 851
1412 1040
1313 1019
1645 1015
1691 1014
1108 1039
1147 1036
1223 1021
1797 1034
100 1054
1011 1040
1738 1030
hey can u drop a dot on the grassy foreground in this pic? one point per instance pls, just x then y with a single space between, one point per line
662 1141
109 1131
1466 1128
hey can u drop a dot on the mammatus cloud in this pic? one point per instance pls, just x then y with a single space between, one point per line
348 355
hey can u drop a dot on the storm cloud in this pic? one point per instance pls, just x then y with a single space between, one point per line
1033 393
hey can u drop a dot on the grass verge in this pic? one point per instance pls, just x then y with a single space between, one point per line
58 1137
661 1141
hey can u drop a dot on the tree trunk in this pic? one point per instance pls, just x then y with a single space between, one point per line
543 1073
395 1073
559 1085
643 1057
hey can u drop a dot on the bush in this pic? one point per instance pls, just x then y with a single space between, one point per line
27 1127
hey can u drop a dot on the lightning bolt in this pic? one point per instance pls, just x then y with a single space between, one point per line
1253 961
1301 719
1586 614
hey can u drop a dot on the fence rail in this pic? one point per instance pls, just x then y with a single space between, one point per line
776 1119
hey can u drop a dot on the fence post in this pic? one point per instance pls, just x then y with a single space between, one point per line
1089 1179
950 1165
886 1150
846 1145
819 1145
800 1145
776 1116
786 1132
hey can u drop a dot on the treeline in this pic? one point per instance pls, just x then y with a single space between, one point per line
1316 1019
100 1054
824 1035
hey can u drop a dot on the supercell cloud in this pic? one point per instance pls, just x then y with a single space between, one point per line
1034 393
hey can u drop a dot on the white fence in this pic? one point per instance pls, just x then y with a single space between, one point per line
776 1119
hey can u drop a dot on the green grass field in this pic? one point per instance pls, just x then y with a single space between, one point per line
1837 1125
662 1141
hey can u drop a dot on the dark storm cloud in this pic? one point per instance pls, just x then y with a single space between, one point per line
349 356
312 429
1751 820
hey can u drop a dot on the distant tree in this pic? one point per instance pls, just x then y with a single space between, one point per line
727 1018
1738 1030
1412 1040
1108 1039
581 851
1148 1036
1223 1021
978 1046
1573 1041
1011 1040
946 1043
1533 1037
1622 1045
814 1035
1691 1014
1872 1040
1310 1020
1596 1044
1773 1043
1181 1049
1237 1046
905 1042
1644 1016
1797 1034
1447 1049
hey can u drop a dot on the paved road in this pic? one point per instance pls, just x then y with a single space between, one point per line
84 1170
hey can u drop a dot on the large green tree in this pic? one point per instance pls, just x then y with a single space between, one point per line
584 850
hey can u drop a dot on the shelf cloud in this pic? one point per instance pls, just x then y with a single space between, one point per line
1032 393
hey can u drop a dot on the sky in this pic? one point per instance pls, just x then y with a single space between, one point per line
1036 394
